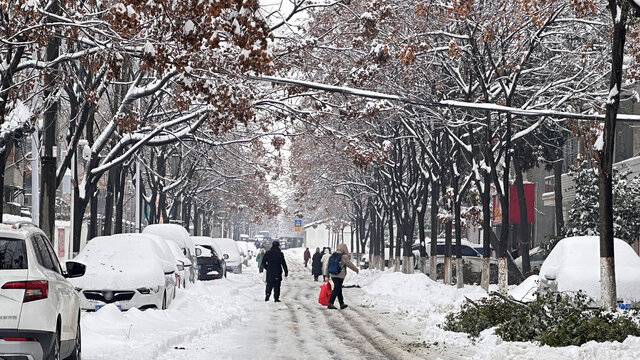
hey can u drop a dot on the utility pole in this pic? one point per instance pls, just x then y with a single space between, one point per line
137 221
35 179
48 176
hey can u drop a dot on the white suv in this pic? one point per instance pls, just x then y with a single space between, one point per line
39 309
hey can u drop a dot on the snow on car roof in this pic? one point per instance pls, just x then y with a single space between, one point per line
119 262
173 232
575 262
228 246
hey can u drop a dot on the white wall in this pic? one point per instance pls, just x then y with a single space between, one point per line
319 237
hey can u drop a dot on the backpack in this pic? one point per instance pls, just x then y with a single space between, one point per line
334 263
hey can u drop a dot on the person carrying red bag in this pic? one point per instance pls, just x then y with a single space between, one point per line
338 272
325 293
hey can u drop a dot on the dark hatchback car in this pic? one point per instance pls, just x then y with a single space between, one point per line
210 265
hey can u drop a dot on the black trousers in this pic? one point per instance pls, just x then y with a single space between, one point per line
336 291
275 286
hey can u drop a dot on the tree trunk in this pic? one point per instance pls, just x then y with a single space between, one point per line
93 217
486 233
108 206
122 177
557 191
448 230
458 229
391 259
423 243
605 158
523 227
433 247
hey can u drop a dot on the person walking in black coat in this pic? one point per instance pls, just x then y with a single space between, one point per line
316 264
274 262
307 257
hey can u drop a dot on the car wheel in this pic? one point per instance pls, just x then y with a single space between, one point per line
77 345
164 300
55 347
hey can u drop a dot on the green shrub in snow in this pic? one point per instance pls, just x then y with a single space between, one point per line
552 319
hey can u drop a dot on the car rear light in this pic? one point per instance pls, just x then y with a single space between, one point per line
33 290
19 339
178 279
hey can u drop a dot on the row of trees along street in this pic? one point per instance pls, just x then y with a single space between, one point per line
395 110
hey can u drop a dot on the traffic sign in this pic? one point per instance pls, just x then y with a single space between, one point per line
297 229
297 223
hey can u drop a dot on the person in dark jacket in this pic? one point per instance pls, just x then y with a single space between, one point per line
316 264
307 257
274 262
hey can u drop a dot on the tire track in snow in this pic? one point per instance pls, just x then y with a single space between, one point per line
371 341
313 322
366 343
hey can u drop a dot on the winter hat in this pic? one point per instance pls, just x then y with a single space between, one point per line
343 248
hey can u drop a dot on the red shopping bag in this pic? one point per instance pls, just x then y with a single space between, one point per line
325 293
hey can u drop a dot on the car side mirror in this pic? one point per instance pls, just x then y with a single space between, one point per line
75 269
225 256
198 252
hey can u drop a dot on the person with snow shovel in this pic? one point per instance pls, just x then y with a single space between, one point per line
338 264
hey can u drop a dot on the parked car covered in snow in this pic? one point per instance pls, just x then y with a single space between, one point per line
247 250
574 264
211 266
470 257
184 264
536 259
128 270
180 236
230 254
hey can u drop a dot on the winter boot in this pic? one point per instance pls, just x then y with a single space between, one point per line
331 306
343 306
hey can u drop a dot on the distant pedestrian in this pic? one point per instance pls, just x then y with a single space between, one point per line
275 263
325 263
316 264
259 260
307 257
338 278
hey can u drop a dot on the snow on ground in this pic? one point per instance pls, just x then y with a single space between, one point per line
228 319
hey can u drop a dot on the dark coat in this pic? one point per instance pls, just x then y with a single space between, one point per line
316 264
273 261
307 255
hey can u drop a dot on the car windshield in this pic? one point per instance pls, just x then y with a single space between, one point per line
13 254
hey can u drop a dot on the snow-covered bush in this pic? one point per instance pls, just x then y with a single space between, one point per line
552 319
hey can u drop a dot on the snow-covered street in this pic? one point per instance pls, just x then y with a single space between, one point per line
391 316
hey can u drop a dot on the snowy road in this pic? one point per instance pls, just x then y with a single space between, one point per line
299 328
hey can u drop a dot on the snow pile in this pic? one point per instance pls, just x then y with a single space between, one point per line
205 307
416 295
417 298
526 291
